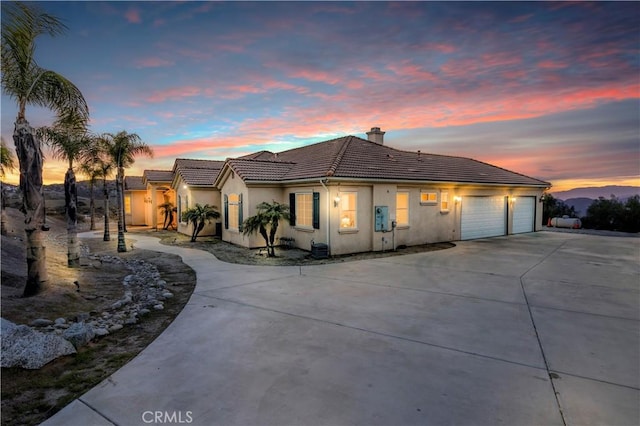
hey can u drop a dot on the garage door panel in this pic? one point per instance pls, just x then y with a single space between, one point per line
483 217
524 211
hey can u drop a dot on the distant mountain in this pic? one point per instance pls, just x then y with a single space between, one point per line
622 192
580 205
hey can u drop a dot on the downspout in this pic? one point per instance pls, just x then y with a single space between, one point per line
328 214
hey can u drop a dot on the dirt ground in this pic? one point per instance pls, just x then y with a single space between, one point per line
31 396
284 257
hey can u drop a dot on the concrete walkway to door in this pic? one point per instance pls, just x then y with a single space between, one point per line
528 329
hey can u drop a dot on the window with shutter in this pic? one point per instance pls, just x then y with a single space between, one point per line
233 215
304 210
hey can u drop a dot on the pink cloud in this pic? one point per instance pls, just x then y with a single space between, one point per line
316 75
415 72
132 16
173 93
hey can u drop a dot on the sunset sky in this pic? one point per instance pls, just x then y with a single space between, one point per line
550 90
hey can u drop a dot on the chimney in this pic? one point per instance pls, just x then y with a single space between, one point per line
375 135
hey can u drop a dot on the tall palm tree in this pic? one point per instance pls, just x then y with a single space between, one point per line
106 167
124 148
198 215
7 163
68 139
90 167
29 84
265 222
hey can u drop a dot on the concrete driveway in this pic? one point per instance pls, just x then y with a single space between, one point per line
468 335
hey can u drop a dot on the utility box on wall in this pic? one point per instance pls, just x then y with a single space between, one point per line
381 213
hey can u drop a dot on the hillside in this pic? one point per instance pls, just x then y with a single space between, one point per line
580 205
594 192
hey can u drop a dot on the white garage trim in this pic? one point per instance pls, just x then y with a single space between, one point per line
524 213
483 217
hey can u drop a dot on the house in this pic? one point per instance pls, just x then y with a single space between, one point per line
135 193
359 195
159 192
193 183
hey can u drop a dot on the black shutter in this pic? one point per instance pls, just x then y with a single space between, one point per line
240 213
226 212
316 210
292 209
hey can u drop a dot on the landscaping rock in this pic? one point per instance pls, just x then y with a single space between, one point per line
115 327
79 334
41 322
25 347
101 332
60 321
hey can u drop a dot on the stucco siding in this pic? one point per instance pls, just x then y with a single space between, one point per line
137 215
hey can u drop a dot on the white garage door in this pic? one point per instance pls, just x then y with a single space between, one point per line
483 217
524 212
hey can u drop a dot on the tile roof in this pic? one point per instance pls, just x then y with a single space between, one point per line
260 155
353 157
134 183
158 175
198 172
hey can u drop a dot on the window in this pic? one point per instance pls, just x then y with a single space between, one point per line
304 210
348 210
127 204
180 209
402 208
444 201
428 197
233 211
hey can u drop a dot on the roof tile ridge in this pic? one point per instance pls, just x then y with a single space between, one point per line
338 159
509 171
255 160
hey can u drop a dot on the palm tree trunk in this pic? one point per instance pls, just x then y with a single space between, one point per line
124 222
106 236
92 206
71 204
122 246
3 214
29 153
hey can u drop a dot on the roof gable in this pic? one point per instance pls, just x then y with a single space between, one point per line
197 172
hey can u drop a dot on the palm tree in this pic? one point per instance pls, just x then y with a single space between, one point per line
68 139
91 168
124 148
7 163
105 167
167 209
29 84
266 222
198 215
